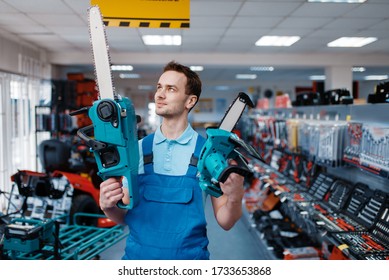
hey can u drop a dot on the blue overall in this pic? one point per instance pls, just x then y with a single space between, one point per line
169 221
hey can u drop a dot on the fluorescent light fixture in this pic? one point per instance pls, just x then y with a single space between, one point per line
164 40
146 87
359 69
351 42
338 1
376 77
246 76
196 68
222 88
262 68
277 41
317 77
122 68
129 76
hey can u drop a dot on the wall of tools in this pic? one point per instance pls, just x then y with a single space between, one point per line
323 191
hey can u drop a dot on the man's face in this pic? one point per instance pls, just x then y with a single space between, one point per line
170 98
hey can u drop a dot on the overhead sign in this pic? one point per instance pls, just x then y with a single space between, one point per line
145 13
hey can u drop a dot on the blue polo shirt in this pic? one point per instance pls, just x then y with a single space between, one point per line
171 157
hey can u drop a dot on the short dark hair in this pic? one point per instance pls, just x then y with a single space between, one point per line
193 85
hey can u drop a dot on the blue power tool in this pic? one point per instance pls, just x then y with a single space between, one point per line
115 142
221 146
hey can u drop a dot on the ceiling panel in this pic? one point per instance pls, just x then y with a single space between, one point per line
370 10
298 22
268 8
221 36
40 6
323 10
350 25
214 8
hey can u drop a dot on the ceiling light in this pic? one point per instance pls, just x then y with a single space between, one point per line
317 77
196 68
351 42
122 68
129 76
222 88
262 68
359 69
146 87
376 77
338 1
164 40
277 41
246 76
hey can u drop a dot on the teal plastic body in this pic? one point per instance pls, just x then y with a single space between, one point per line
213 159
120 157
38 233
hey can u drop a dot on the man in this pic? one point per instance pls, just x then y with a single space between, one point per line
169 221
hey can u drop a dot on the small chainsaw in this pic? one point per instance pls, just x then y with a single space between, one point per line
221 146
115 142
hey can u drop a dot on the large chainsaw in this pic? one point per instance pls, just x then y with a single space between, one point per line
221 145
115 142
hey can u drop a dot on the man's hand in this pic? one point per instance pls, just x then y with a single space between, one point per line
228 207
233 187
111 191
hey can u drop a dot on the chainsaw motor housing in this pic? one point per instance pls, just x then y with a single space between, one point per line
115 142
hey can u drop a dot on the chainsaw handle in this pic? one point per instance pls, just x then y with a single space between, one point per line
129 181
241 168
83 134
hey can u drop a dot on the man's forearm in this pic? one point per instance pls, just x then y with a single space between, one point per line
229 213
115 214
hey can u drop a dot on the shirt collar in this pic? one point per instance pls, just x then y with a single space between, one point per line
182 139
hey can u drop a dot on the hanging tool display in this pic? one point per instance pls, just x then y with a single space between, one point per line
115 142
221 145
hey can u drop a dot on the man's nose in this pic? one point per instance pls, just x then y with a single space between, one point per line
160 93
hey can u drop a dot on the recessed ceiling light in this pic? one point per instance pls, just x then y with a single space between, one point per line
262 68
164 40
196 68
338 1
122 68
129 76
222 88
145 87
246 76
277 41
351 42
376 77
359 69
317 77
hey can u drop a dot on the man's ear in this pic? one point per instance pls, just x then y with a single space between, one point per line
191 101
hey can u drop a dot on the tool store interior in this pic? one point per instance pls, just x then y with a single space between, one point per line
319 120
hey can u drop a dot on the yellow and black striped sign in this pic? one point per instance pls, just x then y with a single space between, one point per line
145 13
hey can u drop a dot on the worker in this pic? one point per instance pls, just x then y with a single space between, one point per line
169 220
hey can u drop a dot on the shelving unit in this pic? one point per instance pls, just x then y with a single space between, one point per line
45 124
308 208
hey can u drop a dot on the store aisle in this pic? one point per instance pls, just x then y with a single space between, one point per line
236 244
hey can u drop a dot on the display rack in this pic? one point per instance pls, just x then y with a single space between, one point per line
314 208
66 242
45 124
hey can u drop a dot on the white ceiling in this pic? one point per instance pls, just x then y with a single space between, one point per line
221 37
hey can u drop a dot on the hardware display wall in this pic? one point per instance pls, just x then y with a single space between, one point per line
310 194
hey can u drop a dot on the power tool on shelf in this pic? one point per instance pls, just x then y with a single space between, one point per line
28 235
115 142
221 146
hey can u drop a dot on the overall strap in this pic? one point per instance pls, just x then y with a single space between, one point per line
147 148
192 169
